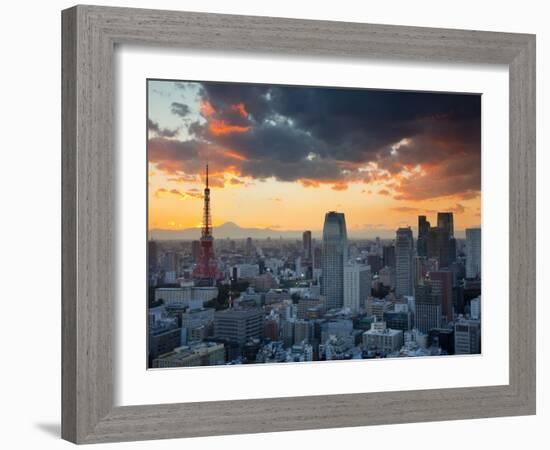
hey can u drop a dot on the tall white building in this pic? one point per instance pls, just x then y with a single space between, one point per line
335 255
404 270
475 308
357 285
473 252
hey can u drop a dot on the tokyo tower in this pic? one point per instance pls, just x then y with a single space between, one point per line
206 272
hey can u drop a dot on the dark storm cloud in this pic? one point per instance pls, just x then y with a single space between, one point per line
322 171
356 124
152 126
322 135
162 132
223 96
174 157
180 109
266 142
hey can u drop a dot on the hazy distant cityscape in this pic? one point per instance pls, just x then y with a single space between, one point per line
274 300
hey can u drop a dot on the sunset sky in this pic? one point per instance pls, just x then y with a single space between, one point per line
282 156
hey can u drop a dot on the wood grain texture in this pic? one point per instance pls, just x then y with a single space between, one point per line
68 227
89 36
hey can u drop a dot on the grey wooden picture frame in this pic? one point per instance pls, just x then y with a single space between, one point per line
90 34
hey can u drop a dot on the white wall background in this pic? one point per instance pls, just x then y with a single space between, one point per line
30 221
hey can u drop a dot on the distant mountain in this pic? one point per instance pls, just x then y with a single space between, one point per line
227 230
233 231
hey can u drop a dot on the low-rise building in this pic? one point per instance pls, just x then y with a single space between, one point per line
377 307
239 325
246 271
203 354
308 307
194 296
163 339
380 338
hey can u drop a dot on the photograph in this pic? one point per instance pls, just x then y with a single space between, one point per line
295 224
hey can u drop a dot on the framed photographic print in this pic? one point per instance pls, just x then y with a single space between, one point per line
265 229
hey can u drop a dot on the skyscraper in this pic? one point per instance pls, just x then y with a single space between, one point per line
306 241
452 251
249 250
439 245
357 285
404 261
427 307
375 263
335 255
152 255
445 221
317 257
442 286
423 231
473 252
388 256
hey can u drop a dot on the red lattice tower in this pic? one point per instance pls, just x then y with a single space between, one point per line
206 271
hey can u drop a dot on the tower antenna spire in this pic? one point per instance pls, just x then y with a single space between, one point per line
206 271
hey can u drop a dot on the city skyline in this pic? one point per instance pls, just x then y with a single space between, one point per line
281 302
404 154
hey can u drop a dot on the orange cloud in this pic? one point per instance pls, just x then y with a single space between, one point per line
214 181
158 192
457 209
192 193
220 127
339 186
239 108
468 195
309 183
207 110
184 178
336 185
406 209
234 154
